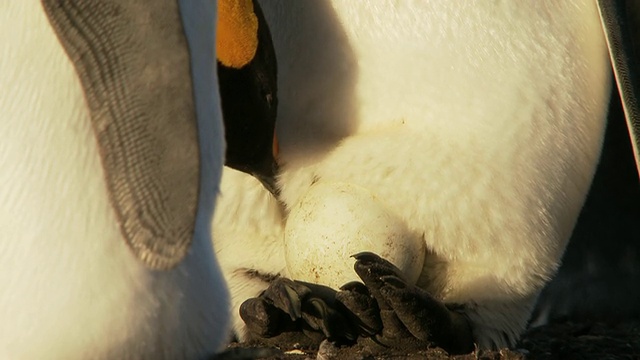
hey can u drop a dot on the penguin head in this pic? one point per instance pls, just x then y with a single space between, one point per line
247 75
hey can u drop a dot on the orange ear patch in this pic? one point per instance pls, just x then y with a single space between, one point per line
237 32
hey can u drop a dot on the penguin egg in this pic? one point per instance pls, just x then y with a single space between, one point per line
333 221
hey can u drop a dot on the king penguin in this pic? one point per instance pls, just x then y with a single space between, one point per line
111 158
250 218
479 125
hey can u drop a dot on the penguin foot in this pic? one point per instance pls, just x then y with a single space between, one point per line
396 314
290 307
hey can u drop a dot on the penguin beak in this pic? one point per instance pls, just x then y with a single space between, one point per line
268 178
267 173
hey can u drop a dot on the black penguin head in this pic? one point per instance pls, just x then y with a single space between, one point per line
247 74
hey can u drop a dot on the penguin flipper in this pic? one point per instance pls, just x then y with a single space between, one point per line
621 24
410 317
288 309
133 62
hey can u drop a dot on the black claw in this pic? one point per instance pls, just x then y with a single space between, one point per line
262 318
355 301
369 258
366 256
355 286
287 295
320 317
315 314
371 268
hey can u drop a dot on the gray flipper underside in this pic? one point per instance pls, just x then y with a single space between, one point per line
621 23
134 65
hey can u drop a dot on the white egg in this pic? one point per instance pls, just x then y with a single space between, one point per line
336 220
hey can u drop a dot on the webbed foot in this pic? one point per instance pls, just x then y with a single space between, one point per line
290 307
406 315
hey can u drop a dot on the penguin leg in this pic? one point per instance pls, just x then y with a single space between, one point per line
287 307
410 317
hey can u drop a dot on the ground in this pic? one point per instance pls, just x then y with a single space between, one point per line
560 340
